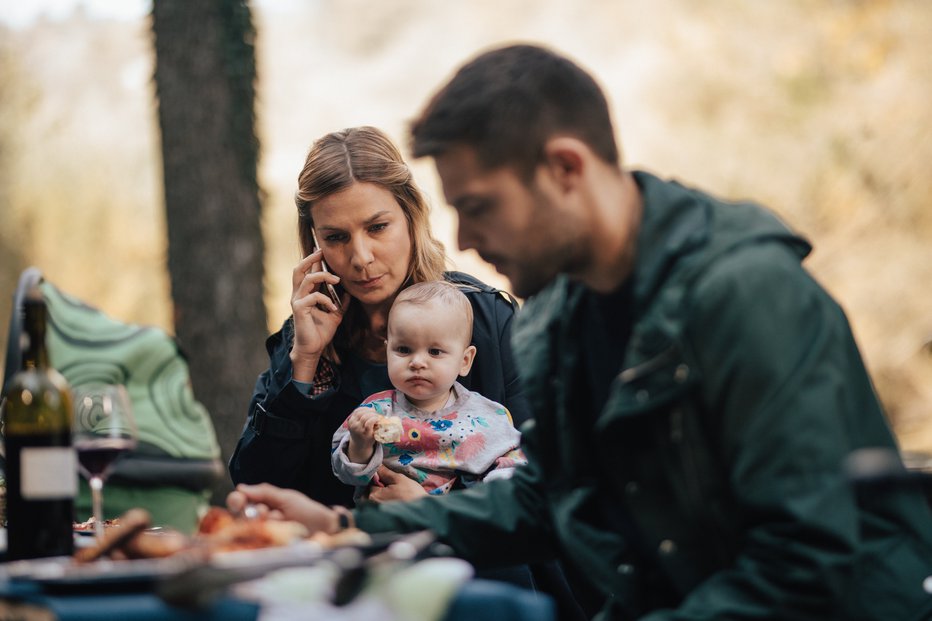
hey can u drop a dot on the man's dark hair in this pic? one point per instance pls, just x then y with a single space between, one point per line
508 102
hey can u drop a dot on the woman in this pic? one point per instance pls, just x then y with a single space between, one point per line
357 196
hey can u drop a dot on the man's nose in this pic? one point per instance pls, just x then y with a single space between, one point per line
466 237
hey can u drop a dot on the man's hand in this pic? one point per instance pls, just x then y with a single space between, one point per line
392 486
285 504
361 426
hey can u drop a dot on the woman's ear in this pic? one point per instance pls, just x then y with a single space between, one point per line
564 159
468 356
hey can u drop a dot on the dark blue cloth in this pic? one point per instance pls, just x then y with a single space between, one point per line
477 599
118 606
495 601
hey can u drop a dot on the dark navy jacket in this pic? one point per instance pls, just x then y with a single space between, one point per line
286 439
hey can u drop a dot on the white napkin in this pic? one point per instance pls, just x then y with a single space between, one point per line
418 592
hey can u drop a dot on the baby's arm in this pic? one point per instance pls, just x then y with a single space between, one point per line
361 427
347 469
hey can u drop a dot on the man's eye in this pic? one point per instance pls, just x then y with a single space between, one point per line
474 209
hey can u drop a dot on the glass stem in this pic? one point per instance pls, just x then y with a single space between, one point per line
97 486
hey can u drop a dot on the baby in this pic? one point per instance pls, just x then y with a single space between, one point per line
450 437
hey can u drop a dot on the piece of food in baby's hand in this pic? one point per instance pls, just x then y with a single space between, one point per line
388 429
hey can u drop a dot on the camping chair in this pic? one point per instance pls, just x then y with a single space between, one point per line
177 460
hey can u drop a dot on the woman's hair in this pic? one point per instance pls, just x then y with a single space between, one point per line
445 293
366 155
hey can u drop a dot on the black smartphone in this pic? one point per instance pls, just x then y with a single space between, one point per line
329 289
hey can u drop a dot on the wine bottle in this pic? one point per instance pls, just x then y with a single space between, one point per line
41 466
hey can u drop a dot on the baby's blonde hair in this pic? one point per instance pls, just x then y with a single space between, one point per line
448 294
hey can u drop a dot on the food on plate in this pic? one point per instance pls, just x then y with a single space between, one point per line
88 526
388 429
155 544
132 523
222 532
346 537
218 531
215 520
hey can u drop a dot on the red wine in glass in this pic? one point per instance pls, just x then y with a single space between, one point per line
97 457
103 430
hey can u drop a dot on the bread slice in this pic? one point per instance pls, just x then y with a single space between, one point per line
388 429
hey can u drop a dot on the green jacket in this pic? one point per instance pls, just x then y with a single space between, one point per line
721 444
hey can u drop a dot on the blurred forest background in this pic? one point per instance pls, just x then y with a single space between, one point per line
820 109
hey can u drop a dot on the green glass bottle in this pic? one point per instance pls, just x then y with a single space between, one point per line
41 466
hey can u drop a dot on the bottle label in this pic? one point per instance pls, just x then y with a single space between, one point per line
48 472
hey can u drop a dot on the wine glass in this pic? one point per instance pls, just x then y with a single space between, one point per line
104 430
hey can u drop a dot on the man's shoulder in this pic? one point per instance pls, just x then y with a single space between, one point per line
687 232
766 268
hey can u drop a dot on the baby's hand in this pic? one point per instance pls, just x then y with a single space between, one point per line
361 426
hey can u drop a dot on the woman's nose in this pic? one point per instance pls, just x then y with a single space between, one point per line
417 362
362 253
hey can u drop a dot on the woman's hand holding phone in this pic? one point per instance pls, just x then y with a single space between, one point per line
316 315
327 287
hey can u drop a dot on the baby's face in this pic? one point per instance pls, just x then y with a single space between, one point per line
427 351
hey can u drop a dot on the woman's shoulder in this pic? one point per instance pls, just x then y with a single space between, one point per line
283 337
476 289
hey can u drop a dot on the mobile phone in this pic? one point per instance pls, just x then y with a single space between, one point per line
329 289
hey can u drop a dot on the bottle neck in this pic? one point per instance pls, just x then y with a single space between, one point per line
35 355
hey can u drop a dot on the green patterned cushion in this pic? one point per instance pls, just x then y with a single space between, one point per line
87 346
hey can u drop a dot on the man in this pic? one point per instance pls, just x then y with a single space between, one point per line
696 393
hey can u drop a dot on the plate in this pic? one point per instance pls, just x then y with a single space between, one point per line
61 573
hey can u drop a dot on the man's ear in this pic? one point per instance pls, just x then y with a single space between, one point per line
468 356
564 159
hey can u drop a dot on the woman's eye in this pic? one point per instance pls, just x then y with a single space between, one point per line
403 350
375 228
335 237
433 351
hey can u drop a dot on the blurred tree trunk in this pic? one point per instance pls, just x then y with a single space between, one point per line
15 233
205 74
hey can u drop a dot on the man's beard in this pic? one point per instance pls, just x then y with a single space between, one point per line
530 277
529 283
